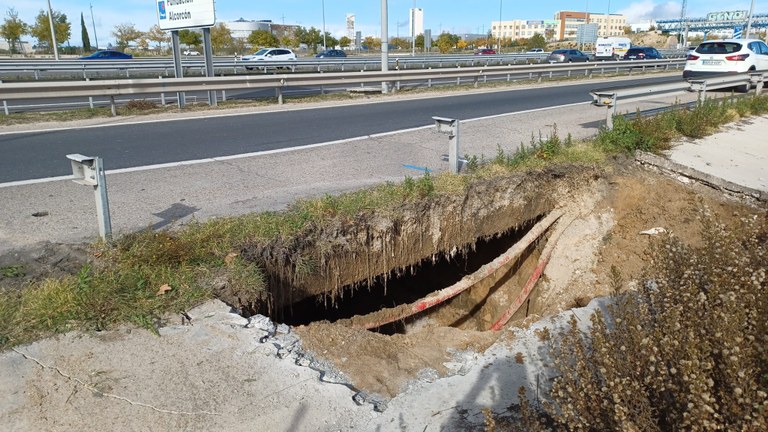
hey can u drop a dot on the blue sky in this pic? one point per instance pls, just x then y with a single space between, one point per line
455 16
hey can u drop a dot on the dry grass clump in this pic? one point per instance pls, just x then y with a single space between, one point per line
688 351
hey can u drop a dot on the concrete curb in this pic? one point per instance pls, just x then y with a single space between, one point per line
715 182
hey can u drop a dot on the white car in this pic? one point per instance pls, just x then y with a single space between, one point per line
719 57
268 54
191 53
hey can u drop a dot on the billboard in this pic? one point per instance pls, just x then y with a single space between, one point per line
181 14
728 16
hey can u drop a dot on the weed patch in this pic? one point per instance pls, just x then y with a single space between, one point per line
685 352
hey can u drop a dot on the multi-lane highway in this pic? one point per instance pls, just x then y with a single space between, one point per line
42 154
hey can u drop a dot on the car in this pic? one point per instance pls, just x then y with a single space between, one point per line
642 53
690 50
485 51
717 57
107 55
567 56
536 50
331 53
191 53
269 54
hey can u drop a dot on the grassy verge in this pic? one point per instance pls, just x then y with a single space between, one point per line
147 274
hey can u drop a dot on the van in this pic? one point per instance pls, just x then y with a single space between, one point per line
611 48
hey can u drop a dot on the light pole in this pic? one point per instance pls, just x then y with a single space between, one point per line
584 27
749 19
384 44
413 29
324 46
501 2
53 33
93 22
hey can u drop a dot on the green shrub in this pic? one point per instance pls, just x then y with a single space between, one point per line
688 351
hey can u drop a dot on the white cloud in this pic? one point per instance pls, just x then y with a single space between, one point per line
647 10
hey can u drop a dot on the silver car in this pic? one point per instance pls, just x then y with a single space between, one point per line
567 56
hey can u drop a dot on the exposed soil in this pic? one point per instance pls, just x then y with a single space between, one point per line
43 260
612 211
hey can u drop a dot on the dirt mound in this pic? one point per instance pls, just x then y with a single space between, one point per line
655 39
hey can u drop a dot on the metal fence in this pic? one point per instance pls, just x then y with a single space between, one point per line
62 90
12 69
609 97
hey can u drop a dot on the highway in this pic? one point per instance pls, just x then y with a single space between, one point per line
42 154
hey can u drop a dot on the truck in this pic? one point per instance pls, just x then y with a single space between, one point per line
611 48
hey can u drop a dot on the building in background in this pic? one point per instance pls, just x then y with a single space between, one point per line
607 24
416 22
351 29
518 29
243 28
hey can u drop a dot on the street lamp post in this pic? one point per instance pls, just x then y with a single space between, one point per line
384 44
749 19
501 2
413 29
325 47
53 32
93 22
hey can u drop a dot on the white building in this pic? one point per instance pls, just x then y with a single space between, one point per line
519 29
243 28
416 22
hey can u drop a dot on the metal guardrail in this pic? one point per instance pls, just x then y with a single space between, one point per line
39 69
129 87
609 97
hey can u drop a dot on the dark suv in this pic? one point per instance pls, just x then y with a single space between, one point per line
642 53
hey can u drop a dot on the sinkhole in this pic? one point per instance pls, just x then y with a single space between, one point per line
476 308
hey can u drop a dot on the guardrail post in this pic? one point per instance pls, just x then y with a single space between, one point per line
279 94
89 171
90 98
451 128
112 106
608 100
757 80
162 94
5 108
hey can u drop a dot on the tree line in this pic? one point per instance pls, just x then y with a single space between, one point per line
222 42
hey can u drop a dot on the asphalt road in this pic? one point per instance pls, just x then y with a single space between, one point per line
42 154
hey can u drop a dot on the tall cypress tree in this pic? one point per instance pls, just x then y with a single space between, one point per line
84 32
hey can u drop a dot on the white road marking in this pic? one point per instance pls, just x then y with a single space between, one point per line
276 151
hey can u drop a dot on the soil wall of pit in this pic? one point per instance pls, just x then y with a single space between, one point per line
329 259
